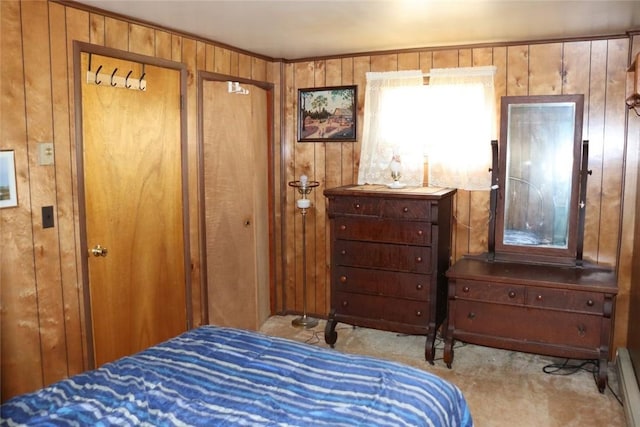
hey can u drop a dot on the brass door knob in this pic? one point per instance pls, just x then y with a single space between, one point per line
99 251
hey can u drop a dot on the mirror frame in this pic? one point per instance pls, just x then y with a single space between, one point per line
532 253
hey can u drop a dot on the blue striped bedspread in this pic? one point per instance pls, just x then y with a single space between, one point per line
213 376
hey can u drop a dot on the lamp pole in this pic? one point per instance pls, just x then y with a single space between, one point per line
304 187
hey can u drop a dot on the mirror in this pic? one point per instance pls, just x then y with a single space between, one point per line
539 171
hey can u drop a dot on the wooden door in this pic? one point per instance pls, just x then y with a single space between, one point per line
235 142
134 209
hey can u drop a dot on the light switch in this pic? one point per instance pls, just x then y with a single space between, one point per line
45 153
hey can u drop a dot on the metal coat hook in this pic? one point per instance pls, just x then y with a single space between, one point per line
112 75
126 80
140 83
97 71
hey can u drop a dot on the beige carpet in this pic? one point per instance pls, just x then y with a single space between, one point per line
502 388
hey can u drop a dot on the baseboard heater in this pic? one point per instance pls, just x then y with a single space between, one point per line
628 388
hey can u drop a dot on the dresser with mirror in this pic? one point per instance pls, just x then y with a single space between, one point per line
532 291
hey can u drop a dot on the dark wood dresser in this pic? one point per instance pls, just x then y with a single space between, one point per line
562 311
390 250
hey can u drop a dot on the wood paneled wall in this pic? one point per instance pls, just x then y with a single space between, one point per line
43 331
633 224
596 68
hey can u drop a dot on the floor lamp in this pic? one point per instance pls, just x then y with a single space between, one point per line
304 187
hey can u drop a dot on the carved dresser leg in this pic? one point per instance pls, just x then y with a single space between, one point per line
330 334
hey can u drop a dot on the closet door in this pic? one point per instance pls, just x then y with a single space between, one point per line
133 209
235 142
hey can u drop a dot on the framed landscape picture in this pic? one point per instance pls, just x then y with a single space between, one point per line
327 114
8 194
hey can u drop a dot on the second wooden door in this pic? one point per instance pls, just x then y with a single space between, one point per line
235 150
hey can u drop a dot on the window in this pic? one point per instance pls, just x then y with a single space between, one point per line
451 122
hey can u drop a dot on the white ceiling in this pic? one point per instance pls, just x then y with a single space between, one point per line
295 29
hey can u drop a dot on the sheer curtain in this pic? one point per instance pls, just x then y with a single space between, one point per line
462 123
452 121
393 125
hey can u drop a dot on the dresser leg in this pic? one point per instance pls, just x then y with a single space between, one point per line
330 334
448 352
603 367
430 348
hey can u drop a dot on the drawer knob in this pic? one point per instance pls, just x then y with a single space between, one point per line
356 205
418 313
343 252
343 279
539 298
419 286
345 303
471 315
418 259
420 232
343 227
590 303
512 294
466 289
405 209
582 330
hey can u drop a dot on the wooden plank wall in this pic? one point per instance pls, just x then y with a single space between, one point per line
596 68
42 314
632 224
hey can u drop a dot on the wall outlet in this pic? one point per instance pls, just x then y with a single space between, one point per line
45 153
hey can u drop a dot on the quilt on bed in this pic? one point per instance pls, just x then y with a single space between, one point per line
226 377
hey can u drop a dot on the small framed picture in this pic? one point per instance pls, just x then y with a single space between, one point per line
8 194
327 114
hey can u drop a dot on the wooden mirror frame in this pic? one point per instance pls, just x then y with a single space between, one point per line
571 253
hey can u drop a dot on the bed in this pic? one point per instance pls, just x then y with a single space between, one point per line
218 376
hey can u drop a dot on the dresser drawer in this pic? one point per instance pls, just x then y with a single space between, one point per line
528 324
413 259
355 206
381 282
490 292
588 302
371 229
381 308
407 209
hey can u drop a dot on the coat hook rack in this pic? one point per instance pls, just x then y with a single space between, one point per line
116 81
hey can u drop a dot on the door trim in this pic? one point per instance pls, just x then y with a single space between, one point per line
269 88
78 76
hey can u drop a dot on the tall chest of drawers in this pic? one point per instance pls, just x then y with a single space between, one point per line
390 250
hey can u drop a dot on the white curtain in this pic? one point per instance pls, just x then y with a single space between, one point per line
393 125
462 123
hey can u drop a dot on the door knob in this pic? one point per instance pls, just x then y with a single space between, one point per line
99 251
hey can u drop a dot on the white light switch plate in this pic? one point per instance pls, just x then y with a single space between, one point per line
45 153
